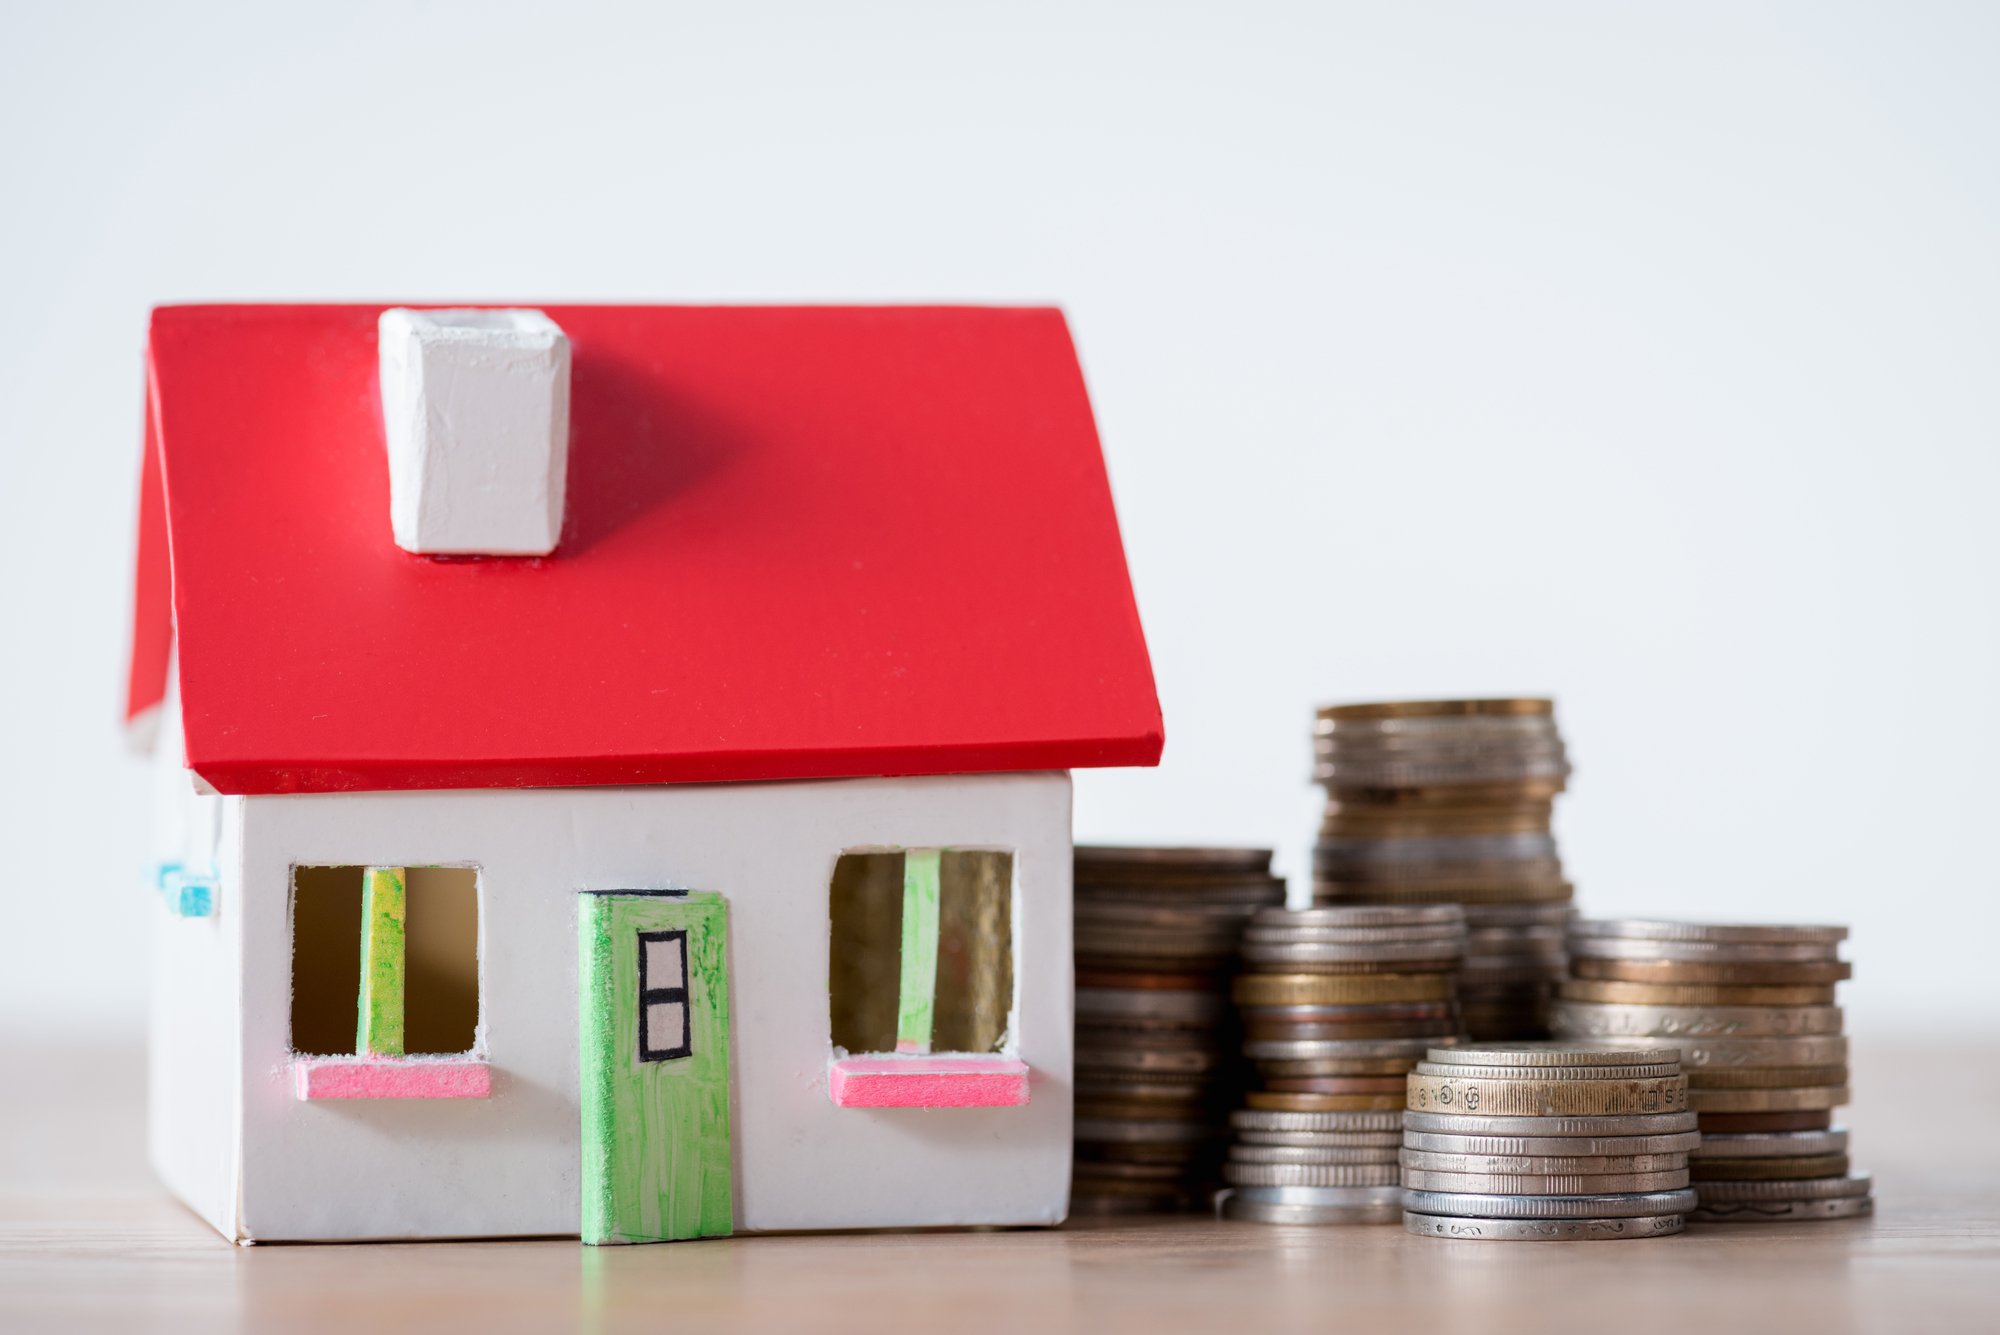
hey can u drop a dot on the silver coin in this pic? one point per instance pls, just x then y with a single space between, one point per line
1322 1195
1257 1212
1357 1140
1794 1189
1624 1205
1364 916
1543 1184
1305 1049
1243 1152
1517 1165
1341 774
1683 1142
1806 1050
1272 1119
1233 1207
1627 1124
1596 1019
1653 1071
1549 1054
1737 1212
1656 929
1311 1205
1773 1144
1148 1131
1479 916
1545 1230
1310 1175
1719 952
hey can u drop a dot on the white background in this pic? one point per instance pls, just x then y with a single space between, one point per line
1645 355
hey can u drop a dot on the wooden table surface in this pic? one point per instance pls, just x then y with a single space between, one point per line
88 1241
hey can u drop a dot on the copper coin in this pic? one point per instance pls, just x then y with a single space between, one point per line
1470 892
1724 1124
1806 974
1151 982
1356 1032
1415 1010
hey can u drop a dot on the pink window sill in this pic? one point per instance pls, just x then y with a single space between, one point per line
315 1078
928 1082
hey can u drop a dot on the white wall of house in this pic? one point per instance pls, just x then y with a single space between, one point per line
195 1002
509 1164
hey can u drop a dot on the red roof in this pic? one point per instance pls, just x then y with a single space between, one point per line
801 542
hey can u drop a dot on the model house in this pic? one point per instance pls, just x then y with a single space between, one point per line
614 764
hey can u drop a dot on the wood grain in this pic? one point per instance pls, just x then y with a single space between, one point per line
88 1241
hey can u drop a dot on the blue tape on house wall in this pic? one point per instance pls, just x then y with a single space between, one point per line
186 894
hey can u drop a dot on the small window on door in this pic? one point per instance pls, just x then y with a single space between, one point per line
664 1029
921 951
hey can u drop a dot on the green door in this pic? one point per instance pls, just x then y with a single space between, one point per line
654 985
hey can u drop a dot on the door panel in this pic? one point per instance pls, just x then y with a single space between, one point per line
654 993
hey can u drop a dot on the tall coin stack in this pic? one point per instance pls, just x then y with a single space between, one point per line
1547 1142
1751 1010
1441 801
1337 1006
1157 1053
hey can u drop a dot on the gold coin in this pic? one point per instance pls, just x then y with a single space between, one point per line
1338 989
1439 708
1357 822
1691 994
1770 1170
1803 973
1764 1077
1767 1100
1266 1100
1546 1098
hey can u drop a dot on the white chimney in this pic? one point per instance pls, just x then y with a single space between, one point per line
475 404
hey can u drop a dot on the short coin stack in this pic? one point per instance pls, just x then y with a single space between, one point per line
1750 1009
1444 801
1337 1004
1157 1053
1547 1142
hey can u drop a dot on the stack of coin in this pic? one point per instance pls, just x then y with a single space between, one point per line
1751 1009
1441 801
1547 1142
1158 1060
1337 1005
